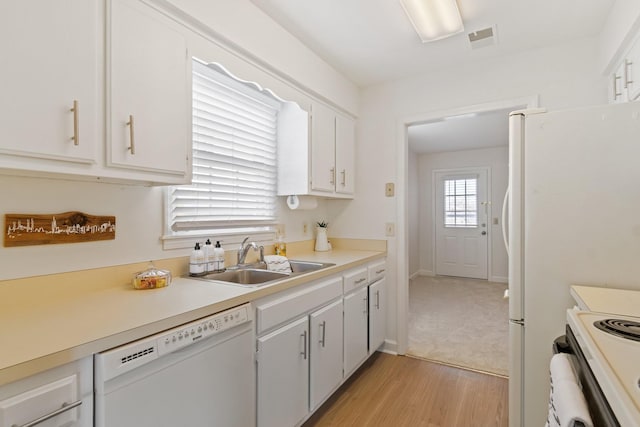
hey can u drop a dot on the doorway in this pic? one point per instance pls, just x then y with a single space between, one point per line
461 166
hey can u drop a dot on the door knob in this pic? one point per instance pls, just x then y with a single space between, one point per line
484 232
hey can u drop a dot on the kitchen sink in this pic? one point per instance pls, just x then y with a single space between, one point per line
257 274
245 276
299 267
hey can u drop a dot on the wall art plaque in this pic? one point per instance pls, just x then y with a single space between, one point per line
67 227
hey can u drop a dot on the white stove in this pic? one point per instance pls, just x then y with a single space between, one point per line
613 359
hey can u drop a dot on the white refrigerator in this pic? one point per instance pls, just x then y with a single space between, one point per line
573 218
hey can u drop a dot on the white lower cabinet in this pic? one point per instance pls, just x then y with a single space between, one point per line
64 395
325 352
283 375
312 337
355 329
377 314
299 364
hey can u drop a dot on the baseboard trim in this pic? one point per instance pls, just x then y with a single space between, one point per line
389 347
499 279
422 273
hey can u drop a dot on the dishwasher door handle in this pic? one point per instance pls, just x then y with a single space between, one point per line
65 407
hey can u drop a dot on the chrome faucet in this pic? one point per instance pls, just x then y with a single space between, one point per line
244 249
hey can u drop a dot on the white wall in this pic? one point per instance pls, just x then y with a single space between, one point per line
497 160
563 77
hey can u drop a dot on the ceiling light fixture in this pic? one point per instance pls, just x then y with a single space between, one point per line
433 19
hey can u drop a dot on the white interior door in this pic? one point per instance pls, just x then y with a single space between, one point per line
461 223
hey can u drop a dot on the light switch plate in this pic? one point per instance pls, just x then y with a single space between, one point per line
389 189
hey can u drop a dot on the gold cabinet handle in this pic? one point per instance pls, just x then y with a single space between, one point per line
131 147
627 65
76 123
344 177
332 176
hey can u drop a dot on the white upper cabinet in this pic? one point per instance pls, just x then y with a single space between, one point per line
624 81
51 53
631 74
323 149
149 95
316 152
345 155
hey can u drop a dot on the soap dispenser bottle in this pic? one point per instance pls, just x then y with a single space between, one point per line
197 266
208 256
218 257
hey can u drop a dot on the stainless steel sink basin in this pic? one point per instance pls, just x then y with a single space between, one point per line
258 275
245 276
307 266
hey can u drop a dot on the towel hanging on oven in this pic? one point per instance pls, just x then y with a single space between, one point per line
567 405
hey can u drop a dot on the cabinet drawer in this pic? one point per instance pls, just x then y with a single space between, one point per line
354 279
377 270
276 311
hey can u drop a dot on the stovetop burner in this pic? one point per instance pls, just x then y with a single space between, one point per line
622 328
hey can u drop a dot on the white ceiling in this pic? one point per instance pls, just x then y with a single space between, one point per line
465 132
372 41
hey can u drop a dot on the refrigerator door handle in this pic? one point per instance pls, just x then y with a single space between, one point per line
505 204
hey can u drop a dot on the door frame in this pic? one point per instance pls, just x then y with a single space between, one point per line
434 225
402 200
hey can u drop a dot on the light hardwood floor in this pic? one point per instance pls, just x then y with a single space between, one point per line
403 391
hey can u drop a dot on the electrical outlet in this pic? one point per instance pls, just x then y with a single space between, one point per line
305 228
390 229
389 189
280 229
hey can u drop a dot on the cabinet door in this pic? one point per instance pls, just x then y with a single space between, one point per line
355 329
377 314
326 352
345 155
323 168
631 72
148 84
617 92
283 375
51 58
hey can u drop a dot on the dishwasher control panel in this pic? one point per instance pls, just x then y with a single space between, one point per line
191 333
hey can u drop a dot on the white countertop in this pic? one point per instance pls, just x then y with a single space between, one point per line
622 302
47 325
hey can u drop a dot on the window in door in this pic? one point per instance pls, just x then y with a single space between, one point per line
461 202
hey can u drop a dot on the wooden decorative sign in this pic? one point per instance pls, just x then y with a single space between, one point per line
67 227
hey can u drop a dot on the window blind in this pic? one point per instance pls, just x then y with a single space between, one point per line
234 156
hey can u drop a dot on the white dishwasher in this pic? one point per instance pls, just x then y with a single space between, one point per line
200 374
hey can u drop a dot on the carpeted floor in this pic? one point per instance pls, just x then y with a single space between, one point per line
461 322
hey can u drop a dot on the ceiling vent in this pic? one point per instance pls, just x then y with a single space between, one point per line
483 38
